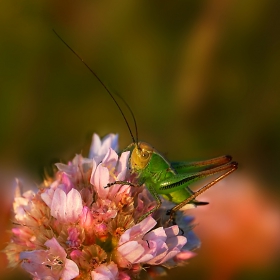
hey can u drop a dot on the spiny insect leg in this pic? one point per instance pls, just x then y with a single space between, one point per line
120 183
172 212
183 167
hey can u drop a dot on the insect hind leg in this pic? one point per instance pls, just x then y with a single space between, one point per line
232 167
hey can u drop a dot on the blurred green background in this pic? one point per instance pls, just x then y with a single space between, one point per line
202 78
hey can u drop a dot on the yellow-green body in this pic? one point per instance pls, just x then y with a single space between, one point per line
172 180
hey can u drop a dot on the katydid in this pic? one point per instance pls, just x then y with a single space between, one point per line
170 180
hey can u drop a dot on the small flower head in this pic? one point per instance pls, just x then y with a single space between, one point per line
75 227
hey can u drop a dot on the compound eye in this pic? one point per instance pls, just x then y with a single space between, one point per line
144 154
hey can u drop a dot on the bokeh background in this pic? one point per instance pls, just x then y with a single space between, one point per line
202 78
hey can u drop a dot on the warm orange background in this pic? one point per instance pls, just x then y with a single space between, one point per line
202 78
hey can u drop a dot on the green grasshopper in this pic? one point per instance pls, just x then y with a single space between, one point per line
171 180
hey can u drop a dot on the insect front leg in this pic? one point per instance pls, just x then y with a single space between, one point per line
120 183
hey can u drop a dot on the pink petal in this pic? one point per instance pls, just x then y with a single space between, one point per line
138 230
100 178
121 176
131 250
145 258
86 217
74 206
70 271
47 196
172 231
66 208
55 248
58 206
38 270
169 255
156 234
123 161
161 251
176 241
173 247
66 182
111 157
33 262
38 256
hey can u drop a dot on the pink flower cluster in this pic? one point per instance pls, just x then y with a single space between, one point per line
74 228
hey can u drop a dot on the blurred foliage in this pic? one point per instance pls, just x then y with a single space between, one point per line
200 76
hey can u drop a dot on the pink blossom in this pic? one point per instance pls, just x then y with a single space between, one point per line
89 230
154 247
50 263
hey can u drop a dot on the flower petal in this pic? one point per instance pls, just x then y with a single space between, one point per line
70 271
123 162
58 206
66 208
100 178
138 230
99 148
131 250
55 248
105 272
74 206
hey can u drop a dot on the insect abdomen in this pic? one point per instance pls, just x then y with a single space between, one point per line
177 196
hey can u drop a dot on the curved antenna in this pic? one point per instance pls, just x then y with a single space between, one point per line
133 139
133 117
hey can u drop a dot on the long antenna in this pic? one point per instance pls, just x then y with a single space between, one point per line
127 124
134 119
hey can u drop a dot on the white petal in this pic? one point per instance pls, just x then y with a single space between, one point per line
95 145
123 161
58 206
138 230
132 251
74 206
70 271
